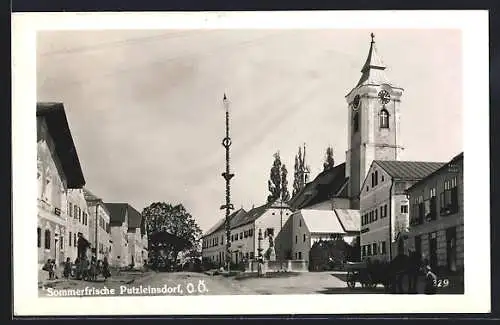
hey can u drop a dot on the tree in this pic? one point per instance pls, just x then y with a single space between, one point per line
284 195
171 229
278 184
274 182
329 161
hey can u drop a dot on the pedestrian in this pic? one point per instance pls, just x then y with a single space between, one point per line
430 281
105 269
47 267
93 269
67 268
52 267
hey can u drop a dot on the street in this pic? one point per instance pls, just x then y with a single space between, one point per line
188 283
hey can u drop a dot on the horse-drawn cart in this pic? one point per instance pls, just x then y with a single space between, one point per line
368 275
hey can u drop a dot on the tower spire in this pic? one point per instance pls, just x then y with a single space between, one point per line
373 69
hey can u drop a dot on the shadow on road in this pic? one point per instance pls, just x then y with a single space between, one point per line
356 291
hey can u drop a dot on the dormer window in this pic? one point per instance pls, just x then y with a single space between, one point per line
384 119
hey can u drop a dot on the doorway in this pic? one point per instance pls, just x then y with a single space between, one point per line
451 249
56 251
433 250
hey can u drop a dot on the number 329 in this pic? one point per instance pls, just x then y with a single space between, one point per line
441 283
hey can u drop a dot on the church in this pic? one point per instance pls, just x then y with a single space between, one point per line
371 186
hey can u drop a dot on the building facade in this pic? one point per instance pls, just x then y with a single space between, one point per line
58 169
99 227
269 219
119 224
384 206
437 217
78 222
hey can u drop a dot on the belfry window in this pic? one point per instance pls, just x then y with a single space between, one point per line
355 122
384 119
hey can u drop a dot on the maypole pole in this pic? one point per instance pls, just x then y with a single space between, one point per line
226 142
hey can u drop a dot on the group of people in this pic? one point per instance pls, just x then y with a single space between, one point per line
412 266
82 268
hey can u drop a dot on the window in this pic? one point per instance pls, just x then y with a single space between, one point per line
384 119
70 238
70 209
369 248
304 236
382 178
300 222
374 250
383 249
355 122
449 197
61 243
376 178
47 239
373 179
376 215
245 234
363 251
250 233
296 239
241 235
79 214
385 210
74 240
404 208
381 212
39 236
300 255
75 211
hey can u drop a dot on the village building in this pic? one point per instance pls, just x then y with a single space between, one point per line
119 224
437 218
58 169
385 205
99 226
268 219
136 240
78 222
313 225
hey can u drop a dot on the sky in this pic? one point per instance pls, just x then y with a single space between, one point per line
146 115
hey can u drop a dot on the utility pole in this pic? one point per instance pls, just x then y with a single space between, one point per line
226 143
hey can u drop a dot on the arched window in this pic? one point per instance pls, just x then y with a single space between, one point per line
384 119
376 178
47 239
355 122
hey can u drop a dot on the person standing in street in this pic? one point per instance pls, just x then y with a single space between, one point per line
430 281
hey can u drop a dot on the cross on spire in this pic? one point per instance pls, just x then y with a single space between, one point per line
373 37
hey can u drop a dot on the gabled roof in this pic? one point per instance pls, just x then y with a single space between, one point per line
453 160
117 213
408 170
328 184
250 216
134 218
58 128
221 223
350 219
322 221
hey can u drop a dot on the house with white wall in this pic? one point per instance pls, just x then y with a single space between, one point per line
78 222
58 169
119 234
384 205
99 230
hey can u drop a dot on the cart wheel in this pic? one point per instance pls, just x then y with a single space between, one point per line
351 283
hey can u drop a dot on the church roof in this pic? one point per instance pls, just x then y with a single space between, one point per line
373 69
409 170
325 186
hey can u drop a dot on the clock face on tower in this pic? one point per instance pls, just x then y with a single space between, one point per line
355 102
384 96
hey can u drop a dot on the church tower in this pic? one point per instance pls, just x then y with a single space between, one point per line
373 122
